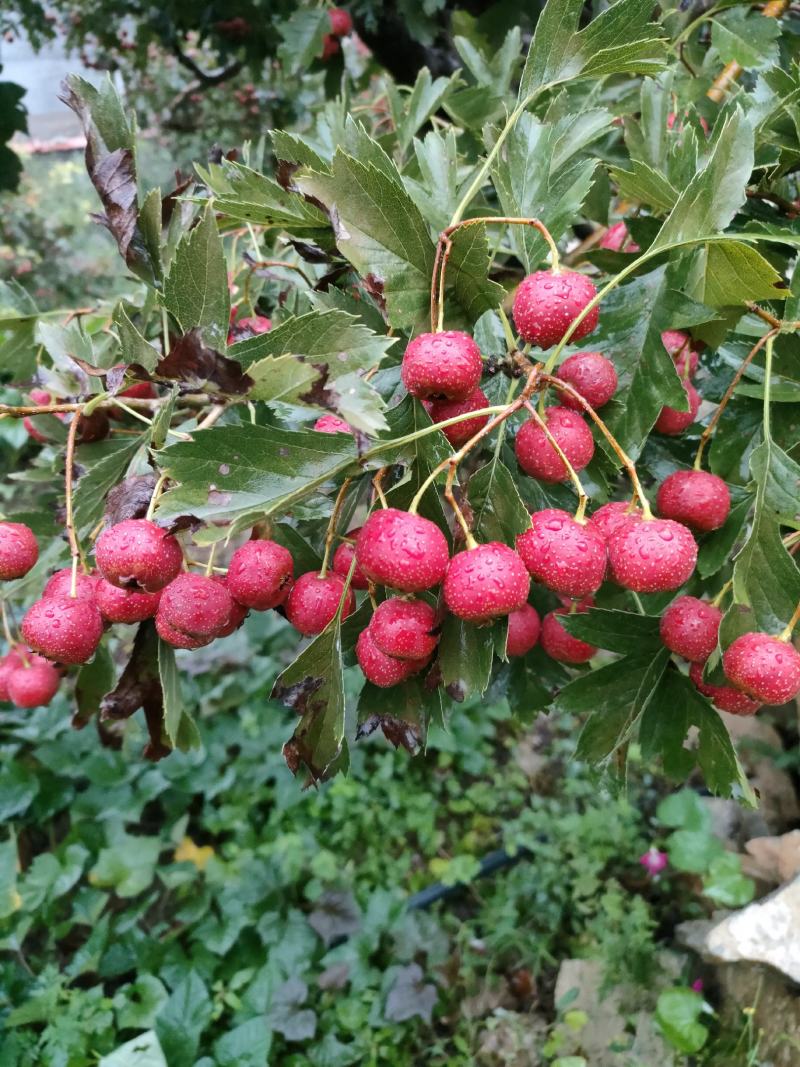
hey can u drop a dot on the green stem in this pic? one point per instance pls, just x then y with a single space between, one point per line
767 386
510 339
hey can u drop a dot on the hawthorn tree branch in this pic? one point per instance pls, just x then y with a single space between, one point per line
206 79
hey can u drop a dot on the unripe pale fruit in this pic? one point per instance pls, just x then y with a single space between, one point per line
331 424
698 499
724 697
60 584
63 628
343 557
136 552
690 628
8 663
401 550
652 556
124 605
260 574
34 685
341 22
19 550
196 605
591 375
560 645
404 629
674 422
546 305
764 667
176 638
566 556
460 432
617 239
486 582
610 517
380 669
446 365
314 601
536 455
523 630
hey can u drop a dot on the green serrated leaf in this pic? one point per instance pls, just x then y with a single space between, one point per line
135 349
617 631
466 653
730 273
498 511
196 289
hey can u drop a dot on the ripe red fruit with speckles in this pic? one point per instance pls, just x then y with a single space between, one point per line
460 432
60 584
401 550
652 556
690 627
341 22
591 375
176 638
332 424
237 615
404 629
560 645
314 601
136 552
696 498
764 667
343 557
380 669
251 326
724 697
8 663
33 685
486 582
442 365
674 422
679 346
124 605
610 517
196 605
536 455
523 630
260 574
546 305
63 628
567 556
617 239
19 550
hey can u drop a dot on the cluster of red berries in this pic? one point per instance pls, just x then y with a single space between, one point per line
341 26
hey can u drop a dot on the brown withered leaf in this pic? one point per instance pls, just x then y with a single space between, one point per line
168 202
130 499
139 686
405 721
196 366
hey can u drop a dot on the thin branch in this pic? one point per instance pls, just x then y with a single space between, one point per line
206 79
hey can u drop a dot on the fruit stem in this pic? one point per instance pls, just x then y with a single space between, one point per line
449 496
330 534
510 339
130 411
165 331
715 603
157 490
6 628
573 474
209 569
377 485
768 384
786 633
712 425
69 521
622 455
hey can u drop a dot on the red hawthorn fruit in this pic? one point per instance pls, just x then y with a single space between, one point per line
689 627
674 422
341 22
679 346
764 667
40 397
652 556
123 605
140 391
617 239
696 498
251 326
608 518
401 550
238 612
591 375
60 584
564 555
536 455
33 685
343 557
63 628
330 46
176 638
196 605
380 669
460 432
19 550
93 427
445 365
671 119
314 601
8 663
331 424
260 574
137 552
560 645
486 582
546 304
404 629
724 697
523 630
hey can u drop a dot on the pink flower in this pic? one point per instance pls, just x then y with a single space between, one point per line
697 985
653 861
